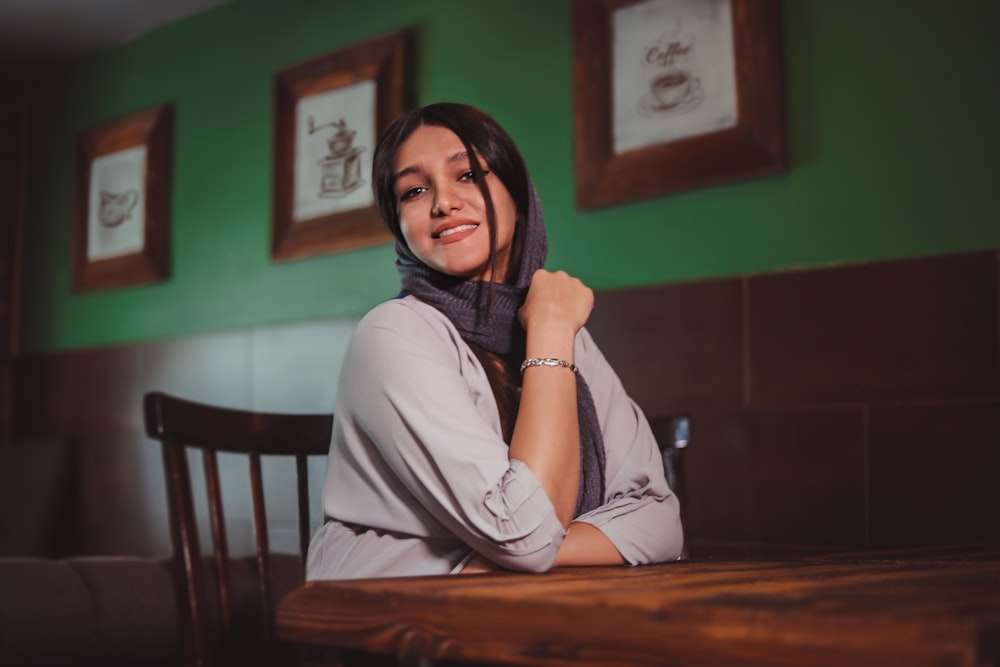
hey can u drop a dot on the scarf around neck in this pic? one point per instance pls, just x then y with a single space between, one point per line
498 330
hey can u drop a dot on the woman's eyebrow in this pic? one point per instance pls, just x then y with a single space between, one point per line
414 169
406 171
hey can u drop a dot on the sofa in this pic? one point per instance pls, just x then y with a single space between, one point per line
59 609
99 610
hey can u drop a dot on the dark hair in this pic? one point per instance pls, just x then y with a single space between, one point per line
482 136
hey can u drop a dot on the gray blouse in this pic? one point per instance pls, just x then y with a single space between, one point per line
419 479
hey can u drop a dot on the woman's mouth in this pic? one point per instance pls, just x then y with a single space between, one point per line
468 227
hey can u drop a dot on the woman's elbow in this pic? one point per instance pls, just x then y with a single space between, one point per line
670 543
658 537
673 542
536 561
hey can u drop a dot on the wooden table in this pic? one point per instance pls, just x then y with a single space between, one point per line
923 609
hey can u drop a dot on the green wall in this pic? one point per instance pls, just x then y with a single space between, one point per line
892 106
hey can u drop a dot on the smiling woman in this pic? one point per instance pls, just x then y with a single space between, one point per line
478 426
442 212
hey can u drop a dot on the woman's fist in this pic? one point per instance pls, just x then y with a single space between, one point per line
556 301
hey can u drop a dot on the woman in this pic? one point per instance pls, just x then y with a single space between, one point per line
478 426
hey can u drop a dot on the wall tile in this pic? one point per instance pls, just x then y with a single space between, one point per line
777 477
90 391
214 368
121 499
913 329
676 347
285 379
934 471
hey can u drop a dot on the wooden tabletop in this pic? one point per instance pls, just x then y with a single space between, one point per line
922 609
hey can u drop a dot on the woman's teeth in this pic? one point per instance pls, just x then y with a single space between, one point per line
455 230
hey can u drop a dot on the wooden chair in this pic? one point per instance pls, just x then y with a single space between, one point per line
673 435
208 619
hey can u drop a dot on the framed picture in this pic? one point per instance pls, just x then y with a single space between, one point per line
121 201
671 95
329 112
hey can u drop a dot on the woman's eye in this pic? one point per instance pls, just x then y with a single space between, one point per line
470 176
411 193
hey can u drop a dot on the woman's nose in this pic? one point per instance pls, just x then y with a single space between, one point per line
446 200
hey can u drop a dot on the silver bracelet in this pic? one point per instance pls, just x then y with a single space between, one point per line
548 362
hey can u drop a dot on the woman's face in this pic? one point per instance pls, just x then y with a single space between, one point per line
442 214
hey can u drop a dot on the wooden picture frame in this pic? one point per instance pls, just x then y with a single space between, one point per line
664 103
328 115
122 176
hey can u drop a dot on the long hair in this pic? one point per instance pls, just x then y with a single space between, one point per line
482 137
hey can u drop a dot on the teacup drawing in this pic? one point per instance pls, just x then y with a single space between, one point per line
671 88
116 208
671 93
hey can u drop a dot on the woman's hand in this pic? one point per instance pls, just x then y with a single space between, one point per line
556 302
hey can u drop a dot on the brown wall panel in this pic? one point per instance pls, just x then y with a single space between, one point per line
77 393
14 124
934 474
777 477
721 502
677 347
912 329
114 482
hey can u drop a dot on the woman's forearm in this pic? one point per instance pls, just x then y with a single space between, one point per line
586 545
583 545
546 435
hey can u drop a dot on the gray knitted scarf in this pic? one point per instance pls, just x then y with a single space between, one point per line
498 330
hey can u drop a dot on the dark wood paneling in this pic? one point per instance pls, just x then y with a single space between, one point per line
677 347
719 483
774 477
934 474
913 329
13 166
77 393
117 475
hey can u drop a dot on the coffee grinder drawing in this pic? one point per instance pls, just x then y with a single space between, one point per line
340 169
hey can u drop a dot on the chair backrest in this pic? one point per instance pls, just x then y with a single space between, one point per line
673 435
180 424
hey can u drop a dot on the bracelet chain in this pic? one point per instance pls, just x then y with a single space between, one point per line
548 361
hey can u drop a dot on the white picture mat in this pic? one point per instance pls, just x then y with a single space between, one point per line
355 104
117 174
650 39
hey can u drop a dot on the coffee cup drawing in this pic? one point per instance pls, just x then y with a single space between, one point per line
672 91
670 88
116 208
